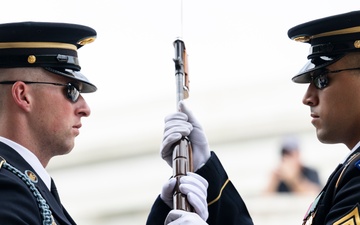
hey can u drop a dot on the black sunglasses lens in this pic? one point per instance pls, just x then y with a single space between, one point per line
321 81
72 92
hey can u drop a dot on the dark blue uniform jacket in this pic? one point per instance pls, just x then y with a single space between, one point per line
19 206
338 202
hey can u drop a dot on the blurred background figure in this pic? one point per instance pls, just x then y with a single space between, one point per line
291 175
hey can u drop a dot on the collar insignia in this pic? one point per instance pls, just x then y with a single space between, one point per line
32 176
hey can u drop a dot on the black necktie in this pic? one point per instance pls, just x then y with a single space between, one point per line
54 191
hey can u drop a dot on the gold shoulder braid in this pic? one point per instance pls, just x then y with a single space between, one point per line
346 165
45 211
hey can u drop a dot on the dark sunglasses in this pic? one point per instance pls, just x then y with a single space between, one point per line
72 91
320 77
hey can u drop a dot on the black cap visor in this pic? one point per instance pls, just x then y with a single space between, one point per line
305 74
87 87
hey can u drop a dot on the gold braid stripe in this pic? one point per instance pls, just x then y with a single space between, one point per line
330 33
222 188
37 45
337 32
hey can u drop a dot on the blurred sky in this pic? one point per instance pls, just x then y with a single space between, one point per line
231 45
229 42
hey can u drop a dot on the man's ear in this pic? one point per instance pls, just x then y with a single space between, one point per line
21 96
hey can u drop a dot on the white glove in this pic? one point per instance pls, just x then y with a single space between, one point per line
194 187
168 192
180 217
182 124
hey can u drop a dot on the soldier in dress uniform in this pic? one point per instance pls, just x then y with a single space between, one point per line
41 108
333 77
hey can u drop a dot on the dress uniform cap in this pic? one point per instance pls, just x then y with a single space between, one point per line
52 46
330 39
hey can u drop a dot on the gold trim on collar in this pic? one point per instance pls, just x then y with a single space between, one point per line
346 165
37 45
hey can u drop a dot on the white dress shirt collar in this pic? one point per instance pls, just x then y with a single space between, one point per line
352 151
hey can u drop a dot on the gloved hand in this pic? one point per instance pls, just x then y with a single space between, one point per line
194 187
182 124
180 217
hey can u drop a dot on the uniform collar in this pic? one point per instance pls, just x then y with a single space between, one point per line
351 152
29 158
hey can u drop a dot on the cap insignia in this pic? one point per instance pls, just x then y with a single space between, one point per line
302 39
86 41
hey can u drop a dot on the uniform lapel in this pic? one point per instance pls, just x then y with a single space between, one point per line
54 191
13 158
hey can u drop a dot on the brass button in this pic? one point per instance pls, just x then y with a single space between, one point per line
31 59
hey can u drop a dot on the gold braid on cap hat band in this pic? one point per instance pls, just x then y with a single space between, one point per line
6 45
330 33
